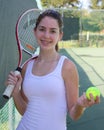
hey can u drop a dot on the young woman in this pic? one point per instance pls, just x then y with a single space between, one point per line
47 88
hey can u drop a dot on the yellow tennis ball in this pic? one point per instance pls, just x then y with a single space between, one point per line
94 91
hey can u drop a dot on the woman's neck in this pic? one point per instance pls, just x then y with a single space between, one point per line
48 56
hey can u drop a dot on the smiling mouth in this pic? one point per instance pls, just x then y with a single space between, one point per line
44 42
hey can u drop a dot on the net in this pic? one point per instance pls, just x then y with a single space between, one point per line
9 117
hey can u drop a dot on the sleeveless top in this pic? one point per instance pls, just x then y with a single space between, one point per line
47 106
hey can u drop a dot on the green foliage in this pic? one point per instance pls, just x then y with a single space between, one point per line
58 3
97 4
94 22
71 13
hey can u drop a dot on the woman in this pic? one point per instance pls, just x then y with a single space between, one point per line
49 82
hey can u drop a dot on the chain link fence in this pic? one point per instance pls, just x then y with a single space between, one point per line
83 28
9 117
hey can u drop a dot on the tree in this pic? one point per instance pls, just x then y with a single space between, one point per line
97 4
93 21
60 3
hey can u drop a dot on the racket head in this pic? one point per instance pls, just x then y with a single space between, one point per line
25 37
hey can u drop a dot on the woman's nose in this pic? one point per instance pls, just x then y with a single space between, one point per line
47 35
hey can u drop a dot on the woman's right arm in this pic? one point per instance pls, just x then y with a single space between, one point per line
19 98
20 101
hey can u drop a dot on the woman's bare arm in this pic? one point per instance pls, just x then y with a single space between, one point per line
19 98
76 105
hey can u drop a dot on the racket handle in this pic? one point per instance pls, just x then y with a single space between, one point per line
9 89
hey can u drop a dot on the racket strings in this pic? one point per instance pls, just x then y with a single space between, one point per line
26 31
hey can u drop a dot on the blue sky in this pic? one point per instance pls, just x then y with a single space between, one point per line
39 4
85 3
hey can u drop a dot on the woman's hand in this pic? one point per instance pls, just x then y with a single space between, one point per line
14 80
84 102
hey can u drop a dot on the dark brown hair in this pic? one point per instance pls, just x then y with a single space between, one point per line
54 14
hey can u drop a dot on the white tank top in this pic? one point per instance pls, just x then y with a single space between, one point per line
47 107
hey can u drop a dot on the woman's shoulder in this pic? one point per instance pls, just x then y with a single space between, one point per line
67 62
68 65
69 69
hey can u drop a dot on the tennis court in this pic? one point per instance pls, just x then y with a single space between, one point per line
89 62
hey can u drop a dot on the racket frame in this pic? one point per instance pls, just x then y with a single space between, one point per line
9 89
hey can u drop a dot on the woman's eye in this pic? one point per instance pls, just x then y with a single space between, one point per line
41 29
53 31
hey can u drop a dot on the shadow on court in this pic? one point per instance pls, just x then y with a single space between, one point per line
93 117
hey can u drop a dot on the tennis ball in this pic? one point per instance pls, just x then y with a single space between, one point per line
94 91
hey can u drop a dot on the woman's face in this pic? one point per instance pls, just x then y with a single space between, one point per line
48 33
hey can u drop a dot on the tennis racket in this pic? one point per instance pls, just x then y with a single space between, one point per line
26 41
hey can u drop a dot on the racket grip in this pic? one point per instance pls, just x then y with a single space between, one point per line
9 89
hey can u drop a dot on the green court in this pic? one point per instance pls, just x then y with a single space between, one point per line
89 62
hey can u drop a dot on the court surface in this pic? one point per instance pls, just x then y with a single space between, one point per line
90 65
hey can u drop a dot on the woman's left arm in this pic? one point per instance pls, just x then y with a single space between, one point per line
76 105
